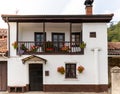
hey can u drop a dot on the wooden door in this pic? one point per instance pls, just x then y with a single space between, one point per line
3 75
36 77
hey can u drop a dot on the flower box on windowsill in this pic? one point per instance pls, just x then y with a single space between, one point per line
49 49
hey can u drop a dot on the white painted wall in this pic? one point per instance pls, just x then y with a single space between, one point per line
13 38
26 30
18 72
99 42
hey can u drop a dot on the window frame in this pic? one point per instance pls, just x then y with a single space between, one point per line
75 72
44 38
58 44
80 38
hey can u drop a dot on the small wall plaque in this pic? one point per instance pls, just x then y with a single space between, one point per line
47 73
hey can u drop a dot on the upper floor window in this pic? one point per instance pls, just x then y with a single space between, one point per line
58 39
40 37
70 70
76 32
76 38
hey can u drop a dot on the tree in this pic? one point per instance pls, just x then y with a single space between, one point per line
114 32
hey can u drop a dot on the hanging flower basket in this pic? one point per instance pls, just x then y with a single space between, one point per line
80 69
15 45
61 70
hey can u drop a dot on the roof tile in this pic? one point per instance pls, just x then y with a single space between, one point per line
114 48
3 41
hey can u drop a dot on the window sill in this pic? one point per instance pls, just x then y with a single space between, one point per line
71 79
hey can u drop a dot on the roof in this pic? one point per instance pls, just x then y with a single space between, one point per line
114 45
3 32
3 45
114 52
114 48
57 18
3 41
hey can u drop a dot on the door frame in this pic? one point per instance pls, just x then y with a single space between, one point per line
29 74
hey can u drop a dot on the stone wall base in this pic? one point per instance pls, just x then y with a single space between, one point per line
75 88
63 88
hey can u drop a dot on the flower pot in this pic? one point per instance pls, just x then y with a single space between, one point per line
49 49
21 52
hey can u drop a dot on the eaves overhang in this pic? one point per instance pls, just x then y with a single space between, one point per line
57 18
117 56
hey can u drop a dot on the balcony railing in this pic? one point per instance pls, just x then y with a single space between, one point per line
29 47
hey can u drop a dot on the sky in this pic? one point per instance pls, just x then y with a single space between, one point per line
57 7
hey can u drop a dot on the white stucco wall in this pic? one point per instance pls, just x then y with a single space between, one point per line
99 42
18 72
13 38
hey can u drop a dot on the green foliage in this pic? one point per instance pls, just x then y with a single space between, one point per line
23 47
114 33
83 45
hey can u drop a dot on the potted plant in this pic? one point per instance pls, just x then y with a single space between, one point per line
48 46
15 45
33 48
61 70
65 48
22 49
83 45
80 69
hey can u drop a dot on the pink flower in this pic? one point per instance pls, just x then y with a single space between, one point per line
33 48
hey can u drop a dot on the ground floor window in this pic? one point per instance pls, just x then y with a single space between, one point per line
70 70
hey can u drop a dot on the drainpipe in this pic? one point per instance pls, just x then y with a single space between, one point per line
96 61
8 35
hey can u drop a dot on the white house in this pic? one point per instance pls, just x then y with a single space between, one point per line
40 45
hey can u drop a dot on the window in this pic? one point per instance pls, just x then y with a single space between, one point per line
58 39
76 38
92 34
70 70
39 38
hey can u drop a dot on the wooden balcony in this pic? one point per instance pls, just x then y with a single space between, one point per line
50 48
